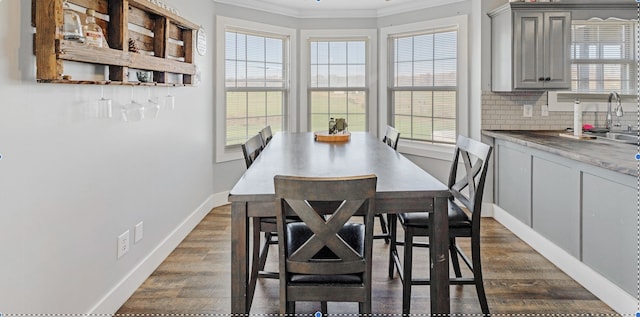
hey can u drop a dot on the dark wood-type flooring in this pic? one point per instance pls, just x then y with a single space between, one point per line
195 279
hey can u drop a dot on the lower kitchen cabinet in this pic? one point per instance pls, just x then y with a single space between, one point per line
514 180
556 202
588 211
610 227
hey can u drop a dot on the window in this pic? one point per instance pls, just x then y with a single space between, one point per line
602 53
338 83
255 84
423 84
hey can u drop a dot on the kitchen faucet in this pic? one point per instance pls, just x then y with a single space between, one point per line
619 112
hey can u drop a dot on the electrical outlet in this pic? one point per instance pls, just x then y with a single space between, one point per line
138 233
527 111
123 243
545 110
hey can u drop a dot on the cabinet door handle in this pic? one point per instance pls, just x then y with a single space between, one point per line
547 79
541 79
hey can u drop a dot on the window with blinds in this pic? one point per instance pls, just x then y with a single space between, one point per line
602 53
423 88
338 89
255 84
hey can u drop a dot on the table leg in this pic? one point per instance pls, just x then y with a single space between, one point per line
439 251
239 259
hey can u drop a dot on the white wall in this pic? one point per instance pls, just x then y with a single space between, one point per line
70 184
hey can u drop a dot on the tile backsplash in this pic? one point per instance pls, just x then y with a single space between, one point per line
503 111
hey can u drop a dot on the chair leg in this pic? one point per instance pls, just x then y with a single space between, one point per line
255 259
291 308
265 250
454 257
323 308
477 275
393 248
383 226
407 268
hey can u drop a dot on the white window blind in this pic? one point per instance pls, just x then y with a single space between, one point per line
255 84
423 90
602 53
338 89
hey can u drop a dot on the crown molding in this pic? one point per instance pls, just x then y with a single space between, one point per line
323 13
413 6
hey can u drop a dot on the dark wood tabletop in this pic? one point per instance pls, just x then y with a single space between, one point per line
402 187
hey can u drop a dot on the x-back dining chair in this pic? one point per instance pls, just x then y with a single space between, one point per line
266 135
325 257
390 138
475 158
251 150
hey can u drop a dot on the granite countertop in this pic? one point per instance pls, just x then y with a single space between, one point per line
611 155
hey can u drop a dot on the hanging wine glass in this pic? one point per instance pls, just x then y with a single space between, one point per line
133 111
105 106
169 100
152 105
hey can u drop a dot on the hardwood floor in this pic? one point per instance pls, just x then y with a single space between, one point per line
195 279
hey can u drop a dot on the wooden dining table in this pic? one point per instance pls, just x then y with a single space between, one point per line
402 187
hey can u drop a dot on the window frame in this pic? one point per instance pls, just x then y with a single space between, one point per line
371 88
223 24
422 148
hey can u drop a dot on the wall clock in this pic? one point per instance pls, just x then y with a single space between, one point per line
201 41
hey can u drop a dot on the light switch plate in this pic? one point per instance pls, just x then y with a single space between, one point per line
527 111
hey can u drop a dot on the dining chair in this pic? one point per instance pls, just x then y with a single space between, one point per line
251 150
466 189
266 135
390 138
325 257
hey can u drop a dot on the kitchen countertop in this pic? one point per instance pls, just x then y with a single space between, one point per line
611 155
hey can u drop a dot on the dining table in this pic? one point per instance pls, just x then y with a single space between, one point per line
402 187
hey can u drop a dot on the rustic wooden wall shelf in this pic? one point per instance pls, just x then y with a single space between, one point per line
165 42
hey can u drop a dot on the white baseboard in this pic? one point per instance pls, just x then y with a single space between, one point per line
117 296
612 295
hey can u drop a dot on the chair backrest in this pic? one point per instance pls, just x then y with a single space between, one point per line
357 195
251 149
475 156
391 137
266 135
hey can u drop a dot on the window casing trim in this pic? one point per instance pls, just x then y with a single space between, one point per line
368 35
223 24
459 23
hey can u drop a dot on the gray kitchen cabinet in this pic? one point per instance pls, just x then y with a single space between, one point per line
610 227
513 173
556 201
530 48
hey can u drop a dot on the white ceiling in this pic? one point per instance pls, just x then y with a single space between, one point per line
337 8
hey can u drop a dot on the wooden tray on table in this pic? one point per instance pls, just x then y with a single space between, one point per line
324 136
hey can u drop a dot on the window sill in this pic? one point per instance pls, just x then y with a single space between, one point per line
231 153
430 150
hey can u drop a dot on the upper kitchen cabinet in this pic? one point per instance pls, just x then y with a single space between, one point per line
530 48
